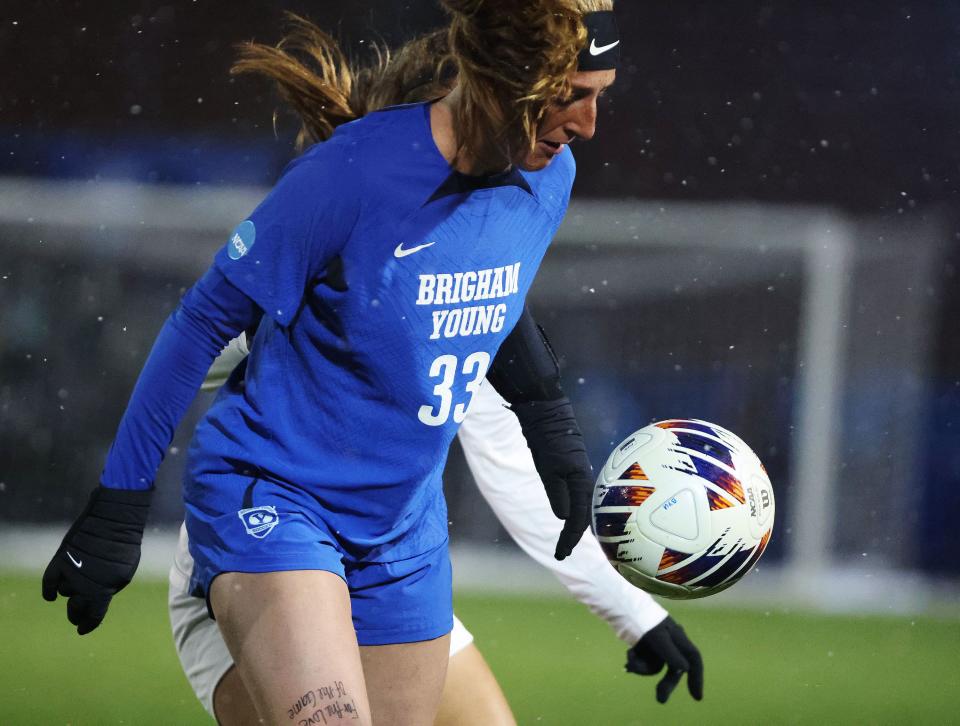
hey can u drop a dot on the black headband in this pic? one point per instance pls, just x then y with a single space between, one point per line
602 51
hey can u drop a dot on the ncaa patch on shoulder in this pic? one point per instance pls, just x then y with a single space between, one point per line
241 240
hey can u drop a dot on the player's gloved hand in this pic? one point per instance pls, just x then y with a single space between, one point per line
560 457
668 644
98 555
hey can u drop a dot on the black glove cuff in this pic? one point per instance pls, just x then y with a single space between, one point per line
133 497
547 420
534 412
129 507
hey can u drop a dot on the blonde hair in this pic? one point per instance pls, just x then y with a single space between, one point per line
510 58
593 6
324 89
513 58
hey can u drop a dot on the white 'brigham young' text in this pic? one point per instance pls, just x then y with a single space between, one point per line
462 287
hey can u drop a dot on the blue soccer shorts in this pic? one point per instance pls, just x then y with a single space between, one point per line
242 524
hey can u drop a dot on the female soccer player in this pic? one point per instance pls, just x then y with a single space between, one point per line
505 474
328 450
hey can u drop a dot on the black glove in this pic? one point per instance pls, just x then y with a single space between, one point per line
561 459
668 644
99 554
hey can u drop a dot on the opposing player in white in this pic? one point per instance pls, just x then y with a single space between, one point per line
503 469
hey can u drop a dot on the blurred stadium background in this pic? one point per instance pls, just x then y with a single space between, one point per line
765 234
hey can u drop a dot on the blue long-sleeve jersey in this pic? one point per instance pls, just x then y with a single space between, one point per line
387 283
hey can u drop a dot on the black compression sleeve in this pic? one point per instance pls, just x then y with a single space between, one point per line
526 368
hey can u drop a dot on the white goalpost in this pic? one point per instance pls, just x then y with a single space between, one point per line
837 259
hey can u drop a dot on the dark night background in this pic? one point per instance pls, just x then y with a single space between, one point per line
852 105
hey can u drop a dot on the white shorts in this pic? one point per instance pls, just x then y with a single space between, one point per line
203 654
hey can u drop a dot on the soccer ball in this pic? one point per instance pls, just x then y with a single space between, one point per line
683 508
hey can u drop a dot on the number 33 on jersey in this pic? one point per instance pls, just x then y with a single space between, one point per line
446 368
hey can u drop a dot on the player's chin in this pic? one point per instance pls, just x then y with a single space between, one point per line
537 160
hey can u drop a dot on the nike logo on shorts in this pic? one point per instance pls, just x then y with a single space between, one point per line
401 252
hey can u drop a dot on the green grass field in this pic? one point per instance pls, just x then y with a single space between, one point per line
557 663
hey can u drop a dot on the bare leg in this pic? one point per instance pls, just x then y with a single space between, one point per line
232 705
406 680
292 639
471 694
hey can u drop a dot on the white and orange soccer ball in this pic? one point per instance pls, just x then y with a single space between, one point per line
683 508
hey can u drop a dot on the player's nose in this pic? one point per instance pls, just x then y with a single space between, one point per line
583 122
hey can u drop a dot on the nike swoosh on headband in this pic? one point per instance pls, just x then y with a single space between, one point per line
600 50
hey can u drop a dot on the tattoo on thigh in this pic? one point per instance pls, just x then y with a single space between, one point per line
323 705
